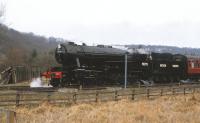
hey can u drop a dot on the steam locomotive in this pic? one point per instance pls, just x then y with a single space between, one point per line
104 65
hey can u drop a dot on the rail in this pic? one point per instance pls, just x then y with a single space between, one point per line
157 85
19 98
27 88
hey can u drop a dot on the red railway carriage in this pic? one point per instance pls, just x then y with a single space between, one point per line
193 67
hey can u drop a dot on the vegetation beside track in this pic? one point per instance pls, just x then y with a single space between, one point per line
166 109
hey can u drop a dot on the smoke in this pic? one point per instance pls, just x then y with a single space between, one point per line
36 82
122 47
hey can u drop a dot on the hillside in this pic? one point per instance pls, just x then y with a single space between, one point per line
169 49
24 48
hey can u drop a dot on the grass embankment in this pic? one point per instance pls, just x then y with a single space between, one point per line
169 109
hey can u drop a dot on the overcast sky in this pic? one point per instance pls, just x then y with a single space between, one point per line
160 22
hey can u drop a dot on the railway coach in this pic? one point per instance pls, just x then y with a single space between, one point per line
193 70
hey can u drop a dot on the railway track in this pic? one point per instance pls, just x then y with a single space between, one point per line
52 89
144 86
28 88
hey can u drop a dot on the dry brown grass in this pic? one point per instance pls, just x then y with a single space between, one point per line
171 109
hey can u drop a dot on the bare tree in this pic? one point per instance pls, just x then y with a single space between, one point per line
15 56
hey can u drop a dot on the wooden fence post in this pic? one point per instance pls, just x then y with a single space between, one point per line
139 84
161 92
75 98
184 90
173 91
133 94
97 96
31 77
193 90
116 95
48 97
7 116
11 117
148 93
17 99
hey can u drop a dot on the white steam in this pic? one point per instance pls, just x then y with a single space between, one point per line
36 82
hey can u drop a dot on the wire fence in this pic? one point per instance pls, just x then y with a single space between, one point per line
16 74
27 73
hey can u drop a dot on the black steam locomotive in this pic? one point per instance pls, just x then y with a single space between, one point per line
104 65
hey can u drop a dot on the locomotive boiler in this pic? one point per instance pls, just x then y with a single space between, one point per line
98 65
86 65
104 65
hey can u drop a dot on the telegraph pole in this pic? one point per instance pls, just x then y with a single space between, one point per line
125 73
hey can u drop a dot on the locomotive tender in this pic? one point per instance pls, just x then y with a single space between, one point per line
104 65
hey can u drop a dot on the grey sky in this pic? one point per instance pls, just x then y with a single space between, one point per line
160 22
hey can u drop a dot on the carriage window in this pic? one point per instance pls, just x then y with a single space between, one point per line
175 65
163 65
196 65
144 64
192 64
